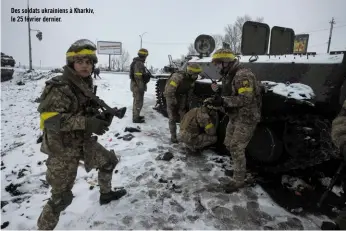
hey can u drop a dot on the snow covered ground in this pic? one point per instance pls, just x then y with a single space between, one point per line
175 194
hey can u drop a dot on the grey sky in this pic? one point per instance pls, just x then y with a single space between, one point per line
170 25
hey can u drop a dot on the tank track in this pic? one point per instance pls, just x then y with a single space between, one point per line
322 153
160 105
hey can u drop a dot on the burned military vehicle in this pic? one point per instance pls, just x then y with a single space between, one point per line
305 93
6 72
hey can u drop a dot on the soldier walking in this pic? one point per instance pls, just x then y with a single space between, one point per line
97 72
139 79
67 134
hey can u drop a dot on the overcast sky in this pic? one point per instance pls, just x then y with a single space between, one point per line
170 25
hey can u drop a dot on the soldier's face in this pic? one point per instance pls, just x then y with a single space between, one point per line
83 67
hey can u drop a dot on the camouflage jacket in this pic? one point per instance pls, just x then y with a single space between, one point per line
63 106
339 128
179 84
138 75
242 95
198 120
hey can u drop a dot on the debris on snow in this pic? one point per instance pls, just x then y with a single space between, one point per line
295 184
127 137
5 224
131 129
167 156
336 189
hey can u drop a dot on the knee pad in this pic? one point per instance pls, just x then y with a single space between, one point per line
61 202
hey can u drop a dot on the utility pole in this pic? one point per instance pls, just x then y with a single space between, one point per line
141 36
330 33
29 30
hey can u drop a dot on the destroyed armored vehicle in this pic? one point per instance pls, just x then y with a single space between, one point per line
6 72
7 60
305 93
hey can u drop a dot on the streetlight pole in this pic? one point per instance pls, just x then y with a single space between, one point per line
29 29
141 36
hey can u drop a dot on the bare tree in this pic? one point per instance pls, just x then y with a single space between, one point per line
218 40
179 61
191 50
234 31
122 62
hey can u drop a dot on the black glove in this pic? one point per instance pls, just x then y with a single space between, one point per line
216 101
96 125
106 116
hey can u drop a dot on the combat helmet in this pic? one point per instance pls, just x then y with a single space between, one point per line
193 68
223 55
208 105
143 53
82 48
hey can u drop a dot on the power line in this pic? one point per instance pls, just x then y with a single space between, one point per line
307 32
166 43
318 45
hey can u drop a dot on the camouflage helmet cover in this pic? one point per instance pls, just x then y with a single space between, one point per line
82 48
206 104
143 52
193 68
223 55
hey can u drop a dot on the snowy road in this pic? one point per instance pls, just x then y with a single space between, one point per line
152 201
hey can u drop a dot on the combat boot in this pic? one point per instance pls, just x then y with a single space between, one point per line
233 186
192 151
105 198
138 119
174 139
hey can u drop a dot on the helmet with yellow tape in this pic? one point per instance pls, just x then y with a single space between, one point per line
82 48
143 53
193 69
223 55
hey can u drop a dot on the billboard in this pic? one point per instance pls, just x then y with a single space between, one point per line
301 43
109 48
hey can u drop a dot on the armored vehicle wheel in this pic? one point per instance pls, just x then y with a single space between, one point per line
265 146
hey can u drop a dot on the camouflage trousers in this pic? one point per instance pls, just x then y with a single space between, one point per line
175 112
61 174
138 99
238 136
197 141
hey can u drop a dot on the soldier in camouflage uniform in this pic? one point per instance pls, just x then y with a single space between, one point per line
139 79
198 128
339 138
68 125
242 100
177 91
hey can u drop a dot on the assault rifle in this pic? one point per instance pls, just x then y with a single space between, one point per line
218 92
107 111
